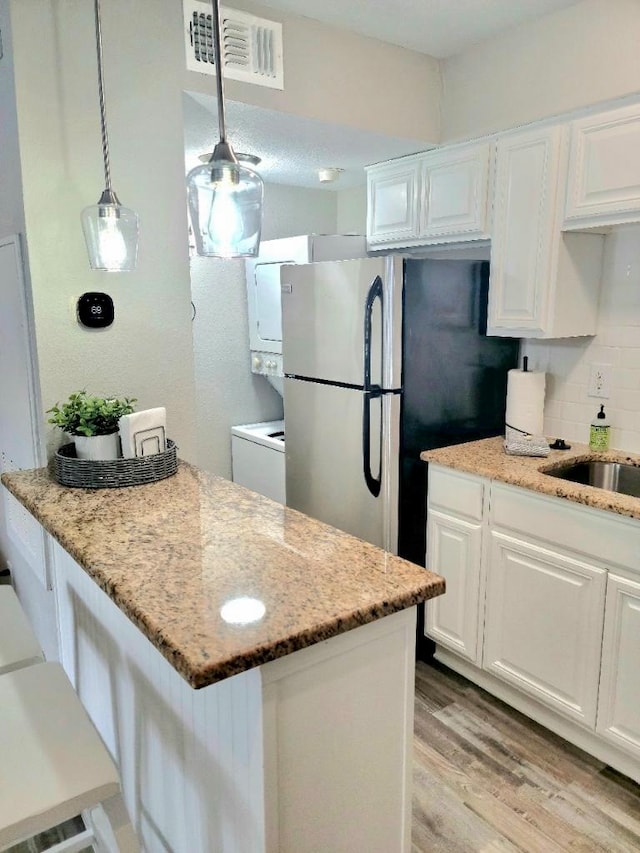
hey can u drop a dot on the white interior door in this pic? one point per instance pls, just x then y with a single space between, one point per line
20 433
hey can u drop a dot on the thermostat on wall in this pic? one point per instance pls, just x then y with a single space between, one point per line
95 310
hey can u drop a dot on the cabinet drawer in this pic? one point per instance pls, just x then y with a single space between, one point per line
462 494
602 537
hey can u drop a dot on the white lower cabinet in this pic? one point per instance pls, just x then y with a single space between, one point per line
619 708
542 607
543 625
454 548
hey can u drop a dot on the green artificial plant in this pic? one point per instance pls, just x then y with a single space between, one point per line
85 415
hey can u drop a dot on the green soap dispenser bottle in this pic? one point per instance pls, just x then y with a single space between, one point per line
599 432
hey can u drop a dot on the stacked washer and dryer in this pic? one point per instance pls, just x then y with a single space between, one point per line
258 450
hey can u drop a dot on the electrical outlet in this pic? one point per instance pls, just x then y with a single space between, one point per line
599 381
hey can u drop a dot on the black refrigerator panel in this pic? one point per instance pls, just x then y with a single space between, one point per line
454 377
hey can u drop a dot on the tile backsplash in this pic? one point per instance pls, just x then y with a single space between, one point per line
568 363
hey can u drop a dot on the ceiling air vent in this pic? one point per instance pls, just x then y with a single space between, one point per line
252 47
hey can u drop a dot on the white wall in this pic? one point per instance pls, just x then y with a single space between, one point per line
344 78
568 409
578 56
147 353
37 601
352 211
11 209
227 393
289 211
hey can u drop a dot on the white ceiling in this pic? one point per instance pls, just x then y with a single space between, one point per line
293 148
440 28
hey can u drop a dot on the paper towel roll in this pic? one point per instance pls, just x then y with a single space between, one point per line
525 400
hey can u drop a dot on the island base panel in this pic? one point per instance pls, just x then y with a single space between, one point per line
311 751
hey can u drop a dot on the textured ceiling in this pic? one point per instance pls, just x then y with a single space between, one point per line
292 148
440 28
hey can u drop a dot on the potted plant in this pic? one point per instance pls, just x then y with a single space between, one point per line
93 423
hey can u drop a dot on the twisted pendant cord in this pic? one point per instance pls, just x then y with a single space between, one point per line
103 111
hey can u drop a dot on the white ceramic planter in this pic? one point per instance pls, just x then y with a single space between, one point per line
97 447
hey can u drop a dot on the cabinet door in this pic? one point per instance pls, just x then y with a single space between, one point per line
455 193
392 201
543 625
522 248
619 705
604 169
454 549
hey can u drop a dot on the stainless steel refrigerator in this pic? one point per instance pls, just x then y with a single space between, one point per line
383 358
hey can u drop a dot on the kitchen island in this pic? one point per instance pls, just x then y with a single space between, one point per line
298 638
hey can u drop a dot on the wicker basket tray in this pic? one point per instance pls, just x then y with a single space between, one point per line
68 470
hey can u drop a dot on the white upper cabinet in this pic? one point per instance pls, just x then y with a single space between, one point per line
544 284
431 198
604 169
393 193
455 192
392 202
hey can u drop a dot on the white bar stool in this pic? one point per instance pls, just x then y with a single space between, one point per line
54 766
18 644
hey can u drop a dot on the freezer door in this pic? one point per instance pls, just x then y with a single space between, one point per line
326 458
324 316
267 296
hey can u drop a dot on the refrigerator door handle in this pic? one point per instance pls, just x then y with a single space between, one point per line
371 392
375 292
373 483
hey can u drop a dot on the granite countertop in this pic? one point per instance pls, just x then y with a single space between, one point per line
487 458
172 554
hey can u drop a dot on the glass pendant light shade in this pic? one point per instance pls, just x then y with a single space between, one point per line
110 230
225 204
111 234
225 196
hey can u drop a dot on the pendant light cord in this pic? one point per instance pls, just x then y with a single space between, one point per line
103 110
217 57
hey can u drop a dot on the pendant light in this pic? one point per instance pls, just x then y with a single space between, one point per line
110 230
225 196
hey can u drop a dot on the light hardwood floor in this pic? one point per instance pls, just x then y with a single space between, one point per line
488 779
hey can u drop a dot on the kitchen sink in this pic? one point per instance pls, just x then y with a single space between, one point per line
613 476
